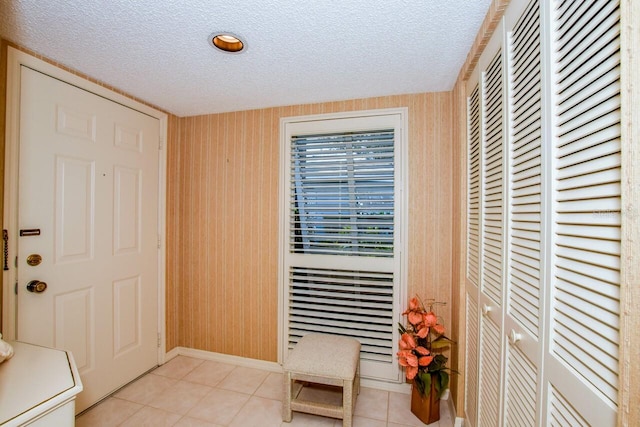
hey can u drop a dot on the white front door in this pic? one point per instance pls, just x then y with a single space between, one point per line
88 206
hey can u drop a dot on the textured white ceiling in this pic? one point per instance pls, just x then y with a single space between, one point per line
299 51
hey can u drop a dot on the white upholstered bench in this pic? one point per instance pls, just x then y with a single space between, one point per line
322 359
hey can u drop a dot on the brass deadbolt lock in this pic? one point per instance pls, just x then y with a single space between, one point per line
34 259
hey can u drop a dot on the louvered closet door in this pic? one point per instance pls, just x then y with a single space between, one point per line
523 310
473 252
581 367
557 246
485 244
492 220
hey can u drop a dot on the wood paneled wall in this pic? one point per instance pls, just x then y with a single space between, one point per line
222 255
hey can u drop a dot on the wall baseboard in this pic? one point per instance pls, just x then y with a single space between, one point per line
174 352
224 358
271 366
382 385
457 421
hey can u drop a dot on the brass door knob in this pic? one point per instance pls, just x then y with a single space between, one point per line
36 286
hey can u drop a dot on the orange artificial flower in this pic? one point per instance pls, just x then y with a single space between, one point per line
411 372
407 342
439 329
414 312
430 319
414 305
422 351
423 332
425 360
409 360
402 355
414 317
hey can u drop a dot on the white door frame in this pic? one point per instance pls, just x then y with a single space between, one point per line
16 59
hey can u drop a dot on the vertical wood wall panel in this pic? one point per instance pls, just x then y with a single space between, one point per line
222 212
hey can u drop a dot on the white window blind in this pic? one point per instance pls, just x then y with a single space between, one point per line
341 233
357 304
342 200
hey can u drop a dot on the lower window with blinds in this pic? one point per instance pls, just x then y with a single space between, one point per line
358 304
342 216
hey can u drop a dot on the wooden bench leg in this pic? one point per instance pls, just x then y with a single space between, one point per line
286 401
357 380
347 403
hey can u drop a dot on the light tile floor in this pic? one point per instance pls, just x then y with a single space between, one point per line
190 392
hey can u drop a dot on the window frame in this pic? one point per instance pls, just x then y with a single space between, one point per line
396 118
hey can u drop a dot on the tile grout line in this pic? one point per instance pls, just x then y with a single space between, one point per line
178 379
213 387
181 378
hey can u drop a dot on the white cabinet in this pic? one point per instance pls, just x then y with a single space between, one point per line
38 387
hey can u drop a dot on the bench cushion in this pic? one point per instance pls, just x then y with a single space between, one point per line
329 356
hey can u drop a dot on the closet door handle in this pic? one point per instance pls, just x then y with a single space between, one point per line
486 309
514 337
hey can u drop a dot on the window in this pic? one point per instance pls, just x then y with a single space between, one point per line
343 193
342 222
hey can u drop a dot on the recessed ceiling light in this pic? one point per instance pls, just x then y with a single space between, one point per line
227 42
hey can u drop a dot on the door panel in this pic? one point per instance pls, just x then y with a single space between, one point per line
88 181
523 316
74 327
490 299
126 210
472 276
74 209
